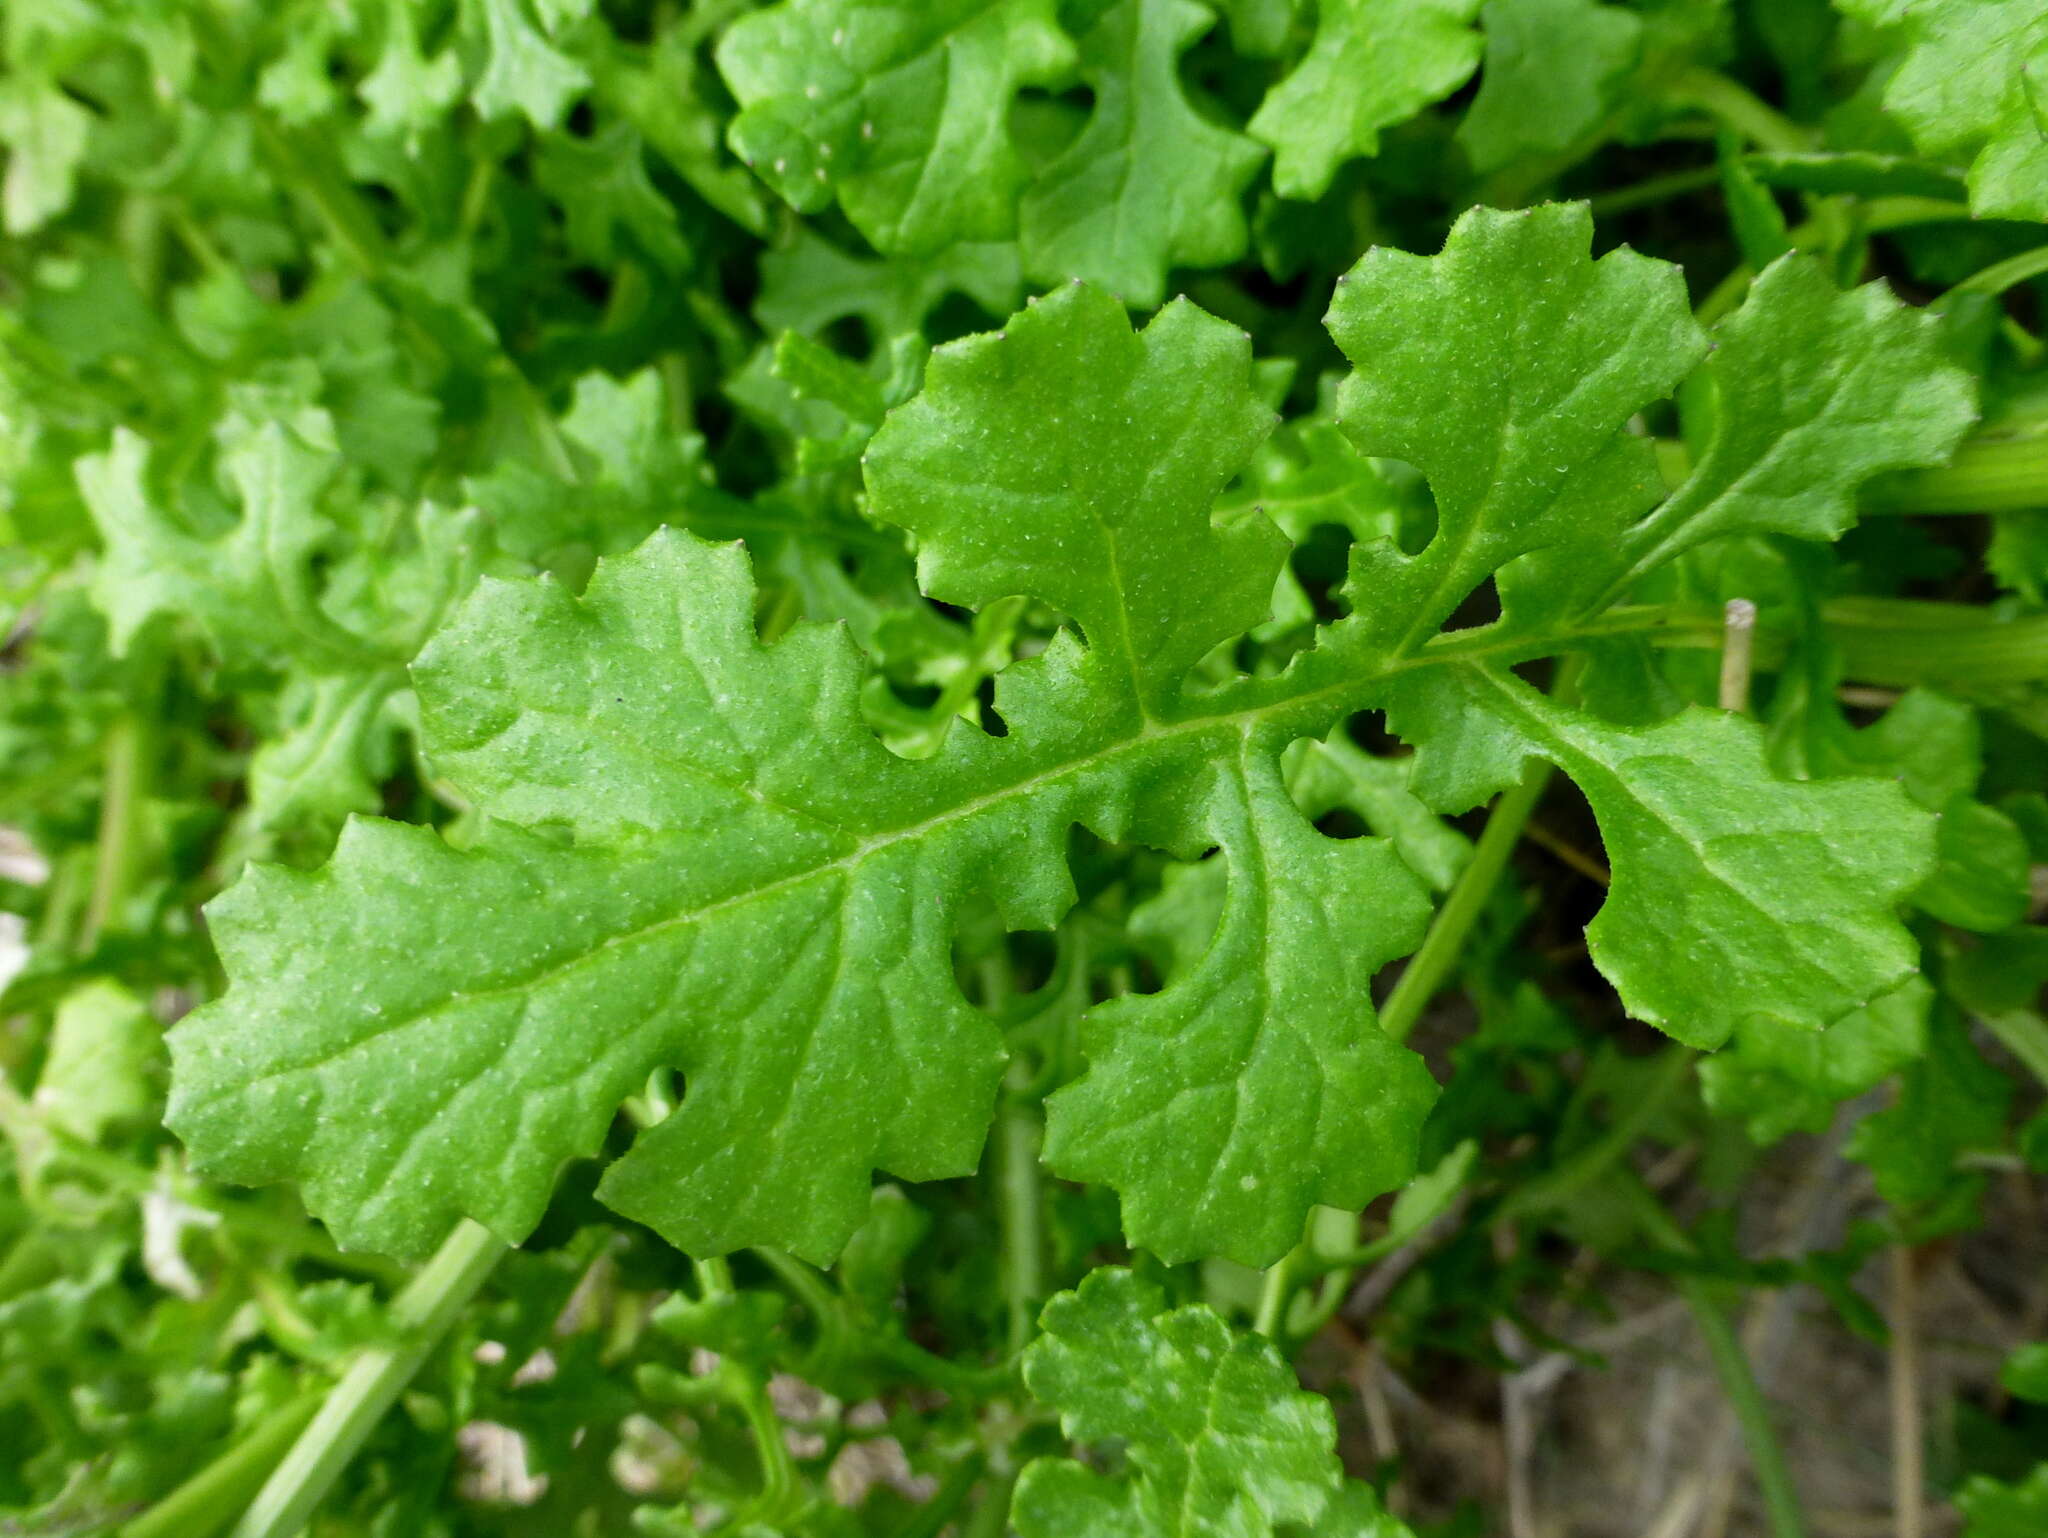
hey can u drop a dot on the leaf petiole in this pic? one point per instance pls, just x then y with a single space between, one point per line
422 1313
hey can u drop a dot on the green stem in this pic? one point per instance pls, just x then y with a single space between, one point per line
1902 642
208 1501
1654 190
1432 963
991 1518
2000 276
1731 1366
1022 1209
120 829
1746 1401
1276 1293
1735 107
422 1314
933 1517
1990 474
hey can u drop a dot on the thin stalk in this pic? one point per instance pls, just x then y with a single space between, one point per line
1276 1293
1746 1402
1559 1184
120 828
1738 655
1020 1210
204 1504
1902 642
1655 190
1731 1366
2000 276
933 1517
1735 107
1908 1472
991 1518
1430 965
422 1312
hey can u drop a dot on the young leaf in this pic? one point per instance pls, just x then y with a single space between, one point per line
1374 63
522 72
254 590
1221 1441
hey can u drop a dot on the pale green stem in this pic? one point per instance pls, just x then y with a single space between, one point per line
1428 968
1275 1294
1738 655
2000 276
209 1500
1557 1185
422 1314
1020 1203
120 828
1988 475
1735 107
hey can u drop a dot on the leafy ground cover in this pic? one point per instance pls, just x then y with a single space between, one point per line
1087 768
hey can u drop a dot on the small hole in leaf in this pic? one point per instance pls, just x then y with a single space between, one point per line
1368 728
1481 607
848 336
1320 563
1342 822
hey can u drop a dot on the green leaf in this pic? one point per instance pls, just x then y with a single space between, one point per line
1992 1509
1219 1438
1970 85
2025 1374
45 132
1125 546
1781 450
1549 78
1506 370
328 759
809 283
1374 63
1785 894
102 1071
602 187
763 895
1150 183
1778 1079
254 591
897 109
407 93
1950 1103
522 73
1258 28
